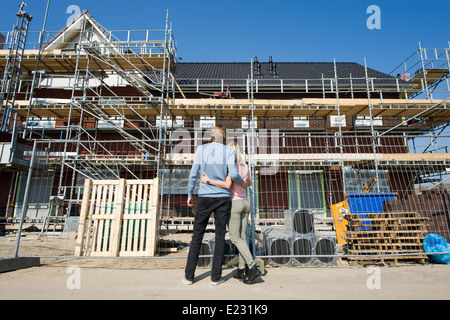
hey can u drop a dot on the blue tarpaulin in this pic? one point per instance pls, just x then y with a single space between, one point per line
435 243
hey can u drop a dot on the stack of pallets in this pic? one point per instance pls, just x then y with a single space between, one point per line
434 204
386 236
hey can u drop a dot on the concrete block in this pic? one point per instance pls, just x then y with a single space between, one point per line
11 264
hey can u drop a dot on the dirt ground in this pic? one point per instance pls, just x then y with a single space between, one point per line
158 279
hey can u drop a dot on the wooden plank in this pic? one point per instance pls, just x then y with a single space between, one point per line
105 182
117 218
125 215
93 236
108 222
131 223
141 182
82 223
100 223
146 212
90 228
153 222
58 61
137 230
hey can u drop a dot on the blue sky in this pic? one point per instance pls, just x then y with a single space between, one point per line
287 30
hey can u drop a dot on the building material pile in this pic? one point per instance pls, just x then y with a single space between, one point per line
386 236
296 243
433 204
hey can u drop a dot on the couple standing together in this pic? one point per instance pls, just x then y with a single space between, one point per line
222 191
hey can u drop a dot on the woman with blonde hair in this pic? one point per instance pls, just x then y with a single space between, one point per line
240 209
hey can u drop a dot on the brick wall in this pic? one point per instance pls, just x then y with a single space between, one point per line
317 122
275 122
391 121
229 122
283 122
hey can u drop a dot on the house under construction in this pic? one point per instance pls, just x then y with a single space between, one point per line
338 152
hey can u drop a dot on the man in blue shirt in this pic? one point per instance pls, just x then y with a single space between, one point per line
217 161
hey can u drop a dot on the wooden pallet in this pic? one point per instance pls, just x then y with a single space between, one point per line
386 236
433 204
118 218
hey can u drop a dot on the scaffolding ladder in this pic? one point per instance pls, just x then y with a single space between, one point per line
11 77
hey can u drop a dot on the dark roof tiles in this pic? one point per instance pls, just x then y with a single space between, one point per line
284 70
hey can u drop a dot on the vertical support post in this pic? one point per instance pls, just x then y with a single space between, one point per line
351 85
424 72
323 88
372 131
448 59
119 196
72 102
83 214
153 225
36 70
85 84
338 107
162 143
25 200
251 144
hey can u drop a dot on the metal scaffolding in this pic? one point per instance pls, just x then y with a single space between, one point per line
12 71
118 98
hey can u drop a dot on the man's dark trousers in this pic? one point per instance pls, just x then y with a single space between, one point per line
205 206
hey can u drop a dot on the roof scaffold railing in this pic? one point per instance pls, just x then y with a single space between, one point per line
428 70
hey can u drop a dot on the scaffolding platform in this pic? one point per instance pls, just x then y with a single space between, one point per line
437 160
261 107
58 61
431 75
